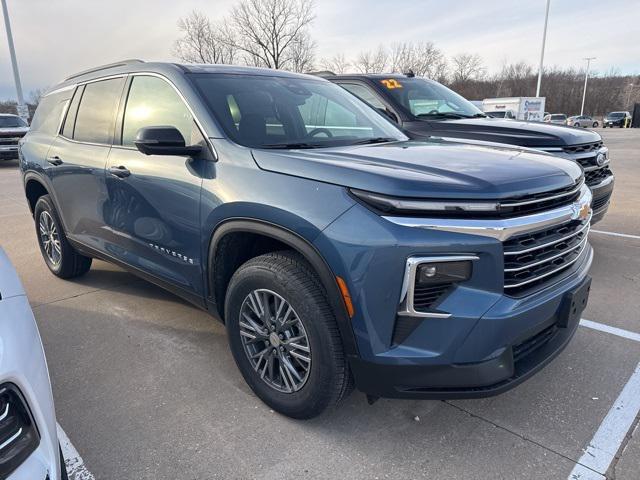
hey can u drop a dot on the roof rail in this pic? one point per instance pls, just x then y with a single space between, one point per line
322 73
105 67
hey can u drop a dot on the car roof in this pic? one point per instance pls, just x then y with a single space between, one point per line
372 76
169 70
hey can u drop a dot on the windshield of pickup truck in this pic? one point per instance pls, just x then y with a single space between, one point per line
12 122
426 98
286 112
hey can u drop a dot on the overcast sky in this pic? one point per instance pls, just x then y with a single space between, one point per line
54 38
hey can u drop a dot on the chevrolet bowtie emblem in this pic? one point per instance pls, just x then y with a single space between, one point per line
584 211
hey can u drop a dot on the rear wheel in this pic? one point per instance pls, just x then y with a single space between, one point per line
595 124
61 258
284 336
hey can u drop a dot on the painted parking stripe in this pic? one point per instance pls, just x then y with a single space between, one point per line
72 459
608 438
615 234
609 329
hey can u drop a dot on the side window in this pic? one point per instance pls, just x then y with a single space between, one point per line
153 102
97 110
49 113
320 112
364 93
70 121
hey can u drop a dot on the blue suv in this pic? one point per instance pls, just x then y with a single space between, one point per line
337 251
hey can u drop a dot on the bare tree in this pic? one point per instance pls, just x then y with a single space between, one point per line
467 66
424 59
267 30
203 42
372 61
336 64
301 56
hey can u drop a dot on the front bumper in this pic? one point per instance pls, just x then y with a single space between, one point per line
9 153
475 348
22 363
601 198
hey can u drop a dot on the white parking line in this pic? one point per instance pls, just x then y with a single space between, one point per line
72 459
609 329
615 234
606 442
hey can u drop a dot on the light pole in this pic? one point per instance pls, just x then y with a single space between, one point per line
586 77
22 108
628 104
544 39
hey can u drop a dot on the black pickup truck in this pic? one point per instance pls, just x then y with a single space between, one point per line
12 129
425 108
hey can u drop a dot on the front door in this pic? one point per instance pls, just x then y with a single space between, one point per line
153 201
76 160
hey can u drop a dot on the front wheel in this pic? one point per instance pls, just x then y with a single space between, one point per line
284 336
61 258
595 124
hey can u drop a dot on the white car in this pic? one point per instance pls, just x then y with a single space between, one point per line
29 448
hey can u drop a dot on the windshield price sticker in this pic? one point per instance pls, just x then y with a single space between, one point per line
391 83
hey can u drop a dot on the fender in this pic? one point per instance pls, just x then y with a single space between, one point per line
44 181
302 246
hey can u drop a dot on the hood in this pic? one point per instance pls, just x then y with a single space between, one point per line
13 131
433 169
10 285
512 132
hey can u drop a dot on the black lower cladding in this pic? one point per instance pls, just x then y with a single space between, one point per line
482 379
18 433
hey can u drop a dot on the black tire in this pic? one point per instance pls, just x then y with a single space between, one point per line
595 124
577 125
291 278
70 263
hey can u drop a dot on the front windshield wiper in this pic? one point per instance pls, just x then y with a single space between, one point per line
368 141
443 115
292 145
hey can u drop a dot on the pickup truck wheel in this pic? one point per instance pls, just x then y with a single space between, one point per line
61 258
284 337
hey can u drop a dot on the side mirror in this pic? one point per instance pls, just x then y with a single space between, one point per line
163 140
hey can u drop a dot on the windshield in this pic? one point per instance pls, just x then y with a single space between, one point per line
426 98
282 112
616 115
12 122
558 117
496 114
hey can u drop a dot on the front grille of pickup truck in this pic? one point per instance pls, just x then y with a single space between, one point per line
536 259
583 148
537 202
594 177
9 141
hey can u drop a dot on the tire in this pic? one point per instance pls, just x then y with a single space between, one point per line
63 467
595 124
327 379
577 125
62 259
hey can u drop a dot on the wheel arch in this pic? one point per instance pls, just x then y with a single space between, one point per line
215 293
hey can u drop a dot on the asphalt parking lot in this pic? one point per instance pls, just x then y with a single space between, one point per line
146 388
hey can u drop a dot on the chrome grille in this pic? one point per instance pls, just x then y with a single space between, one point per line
536 259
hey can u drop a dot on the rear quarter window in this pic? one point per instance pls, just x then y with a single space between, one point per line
49 113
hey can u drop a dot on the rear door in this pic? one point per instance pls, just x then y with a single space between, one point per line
153 201
76 160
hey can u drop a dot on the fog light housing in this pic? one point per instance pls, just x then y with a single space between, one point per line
443 272
18 434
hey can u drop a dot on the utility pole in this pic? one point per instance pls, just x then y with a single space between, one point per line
23 111
628 104
544 39
586 77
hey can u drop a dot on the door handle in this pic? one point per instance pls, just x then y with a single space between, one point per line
120 171
55 160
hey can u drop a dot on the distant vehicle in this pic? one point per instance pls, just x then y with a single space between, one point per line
28 433
582 121
521 108
12 129
556 118
508 114
616 119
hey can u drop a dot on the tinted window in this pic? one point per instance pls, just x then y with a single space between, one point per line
278 112
363 93
153 102
12 122
97 110
70 121
49 113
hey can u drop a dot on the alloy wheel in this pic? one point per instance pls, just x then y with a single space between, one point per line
50 238
275 341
